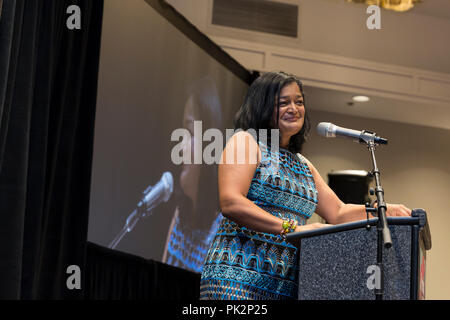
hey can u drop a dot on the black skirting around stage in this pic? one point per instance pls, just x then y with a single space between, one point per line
114 275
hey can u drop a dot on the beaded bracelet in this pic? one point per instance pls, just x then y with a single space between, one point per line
293 225
288 225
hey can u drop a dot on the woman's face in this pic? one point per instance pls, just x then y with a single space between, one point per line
291 115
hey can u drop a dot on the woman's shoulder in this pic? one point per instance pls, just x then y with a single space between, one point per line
243 139
306 162
243 134
245 144
302 158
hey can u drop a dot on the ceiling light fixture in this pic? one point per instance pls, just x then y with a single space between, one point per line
396 5
360 98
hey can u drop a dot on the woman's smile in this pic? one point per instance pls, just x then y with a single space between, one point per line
291 119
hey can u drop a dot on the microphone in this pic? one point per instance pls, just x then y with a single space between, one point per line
153 196
330 130
160 192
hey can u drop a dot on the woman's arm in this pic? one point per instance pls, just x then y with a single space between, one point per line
334 211
234 182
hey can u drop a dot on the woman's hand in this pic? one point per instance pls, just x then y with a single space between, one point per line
397 210
312 226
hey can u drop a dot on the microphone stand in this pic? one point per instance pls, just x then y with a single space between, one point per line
383 232
133 218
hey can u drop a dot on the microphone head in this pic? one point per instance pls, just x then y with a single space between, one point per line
167 180
326 129
380 140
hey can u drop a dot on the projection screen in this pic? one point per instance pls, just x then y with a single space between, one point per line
154 80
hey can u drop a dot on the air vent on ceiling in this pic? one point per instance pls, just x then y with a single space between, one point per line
257 15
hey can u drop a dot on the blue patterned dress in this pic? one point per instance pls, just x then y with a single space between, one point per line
245 264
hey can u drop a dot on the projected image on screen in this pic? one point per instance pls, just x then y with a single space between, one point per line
196 216
152 81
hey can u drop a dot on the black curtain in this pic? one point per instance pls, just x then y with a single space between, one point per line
48 84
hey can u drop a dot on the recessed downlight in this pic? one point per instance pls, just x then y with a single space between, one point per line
361 98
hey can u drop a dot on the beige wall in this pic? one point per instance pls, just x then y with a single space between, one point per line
415 171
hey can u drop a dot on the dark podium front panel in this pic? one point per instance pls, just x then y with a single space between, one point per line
340 262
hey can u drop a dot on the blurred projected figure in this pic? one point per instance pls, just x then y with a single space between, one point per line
196 217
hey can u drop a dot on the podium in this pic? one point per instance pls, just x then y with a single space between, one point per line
340 262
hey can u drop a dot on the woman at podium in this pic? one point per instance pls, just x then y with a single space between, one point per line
272 192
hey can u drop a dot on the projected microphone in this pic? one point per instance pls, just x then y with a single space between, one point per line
330 130
153 196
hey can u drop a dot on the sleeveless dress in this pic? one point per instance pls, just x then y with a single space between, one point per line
242 264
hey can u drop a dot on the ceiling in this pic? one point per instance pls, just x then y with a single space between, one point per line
426 114
432 115
400 41
434 8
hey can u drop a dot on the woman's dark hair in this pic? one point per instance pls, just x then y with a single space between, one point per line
262 97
